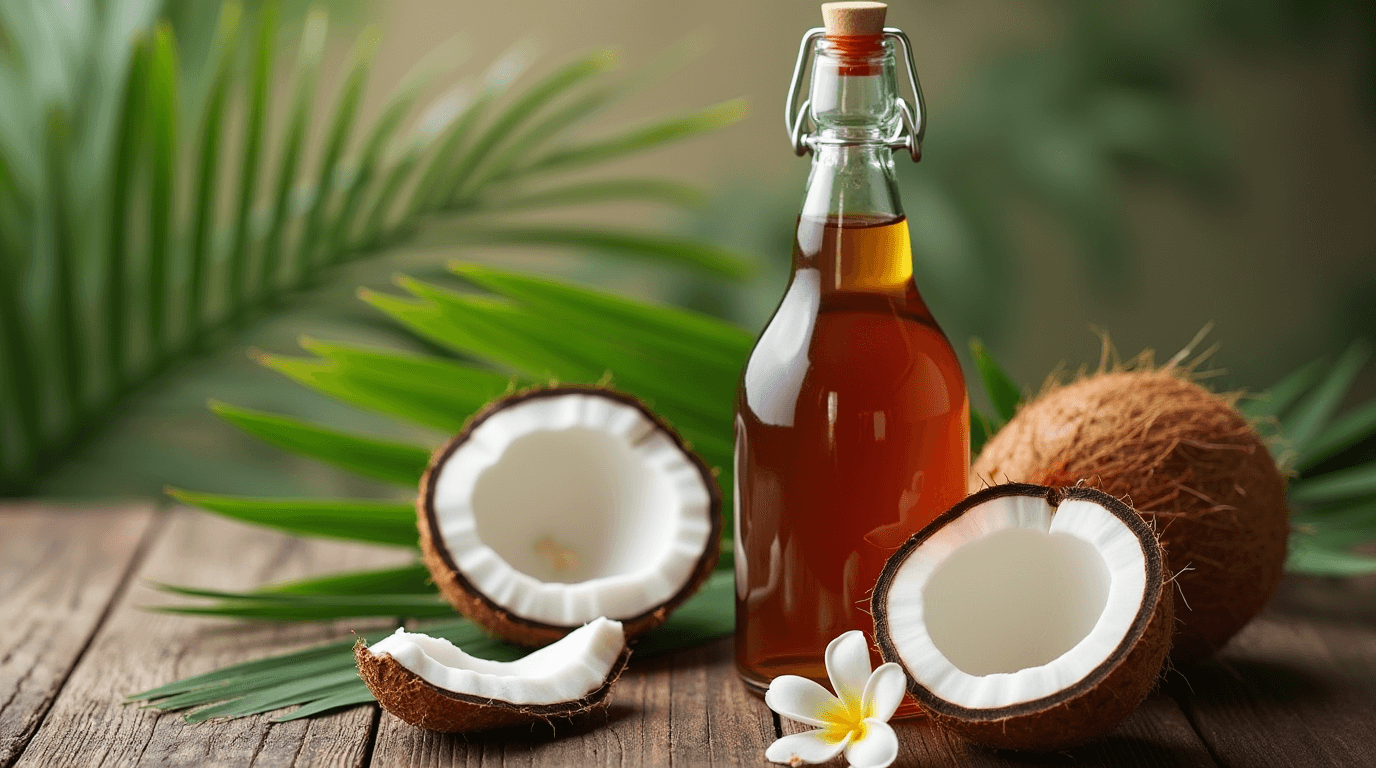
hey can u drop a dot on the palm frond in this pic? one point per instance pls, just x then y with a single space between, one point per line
1333 498
324 678
174 273
406 580
1003 393
377 459
208 169
375 522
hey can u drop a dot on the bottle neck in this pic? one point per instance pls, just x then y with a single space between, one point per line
852 182
852 227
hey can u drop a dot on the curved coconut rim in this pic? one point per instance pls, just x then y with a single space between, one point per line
1156 581
426 500
555 709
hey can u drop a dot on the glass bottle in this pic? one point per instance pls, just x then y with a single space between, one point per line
852 419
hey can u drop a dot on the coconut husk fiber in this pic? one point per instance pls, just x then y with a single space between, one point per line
1187 461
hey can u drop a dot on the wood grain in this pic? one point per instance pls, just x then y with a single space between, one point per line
136 650
680 709
59 569
1298 686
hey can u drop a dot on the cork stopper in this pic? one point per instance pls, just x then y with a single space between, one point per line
853 19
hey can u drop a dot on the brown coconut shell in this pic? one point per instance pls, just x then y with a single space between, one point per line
497 620
425 705
1188 462
1093 705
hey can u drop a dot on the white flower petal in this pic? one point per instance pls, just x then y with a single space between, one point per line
808 747
848 665
877 750
800 699
884 691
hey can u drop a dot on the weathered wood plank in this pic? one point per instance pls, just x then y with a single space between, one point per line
1298 686
60 566
136 650
681 709
1157 735
715 719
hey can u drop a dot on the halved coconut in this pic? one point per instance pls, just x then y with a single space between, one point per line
1028 617
556 506
430 683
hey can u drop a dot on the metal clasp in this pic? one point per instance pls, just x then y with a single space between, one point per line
911 127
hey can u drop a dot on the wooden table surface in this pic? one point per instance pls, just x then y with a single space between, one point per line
1297 688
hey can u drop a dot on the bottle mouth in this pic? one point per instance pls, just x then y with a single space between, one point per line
853 46
856 55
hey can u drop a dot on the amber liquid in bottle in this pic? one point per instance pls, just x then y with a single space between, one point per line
852 432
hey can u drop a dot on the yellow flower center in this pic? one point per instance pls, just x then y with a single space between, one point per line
845 718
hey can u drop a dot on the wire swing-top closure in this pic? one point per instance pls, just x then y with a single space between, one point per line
913 115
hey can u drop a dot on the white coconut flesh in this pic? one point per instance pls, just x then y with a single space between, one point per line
1016 600
566 670
566 507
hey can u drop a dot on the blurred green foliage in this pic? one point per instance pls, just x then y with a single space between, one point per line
146 214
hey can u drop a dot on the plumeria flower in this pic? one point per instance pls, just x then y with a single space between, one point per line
855 720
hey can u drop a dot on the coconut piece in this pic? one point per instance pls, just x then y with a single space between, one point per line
556 506
1027 617
432 684
1190 464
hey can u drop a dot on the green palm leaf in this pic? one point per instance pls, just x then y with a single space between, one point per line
1303 424
368 380
1332 499
1003 393
162 117
410 579
238 271
375 522
383 460
207 180
635 140
330 165
307 70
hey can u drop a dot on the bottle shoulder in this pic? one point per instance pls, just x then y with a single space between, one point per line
875 351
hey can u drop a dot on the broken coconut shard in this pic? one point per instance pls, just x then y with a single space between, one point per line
556 506
1028 617
430 683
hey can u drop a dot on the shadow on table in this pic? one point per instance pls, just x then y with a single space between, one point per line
546 731
924 745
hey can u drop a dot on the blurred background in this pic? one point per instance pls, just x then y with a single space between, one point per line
1146 168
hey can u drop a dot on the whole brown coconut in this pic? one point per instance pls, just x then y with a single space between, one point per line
1187 461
